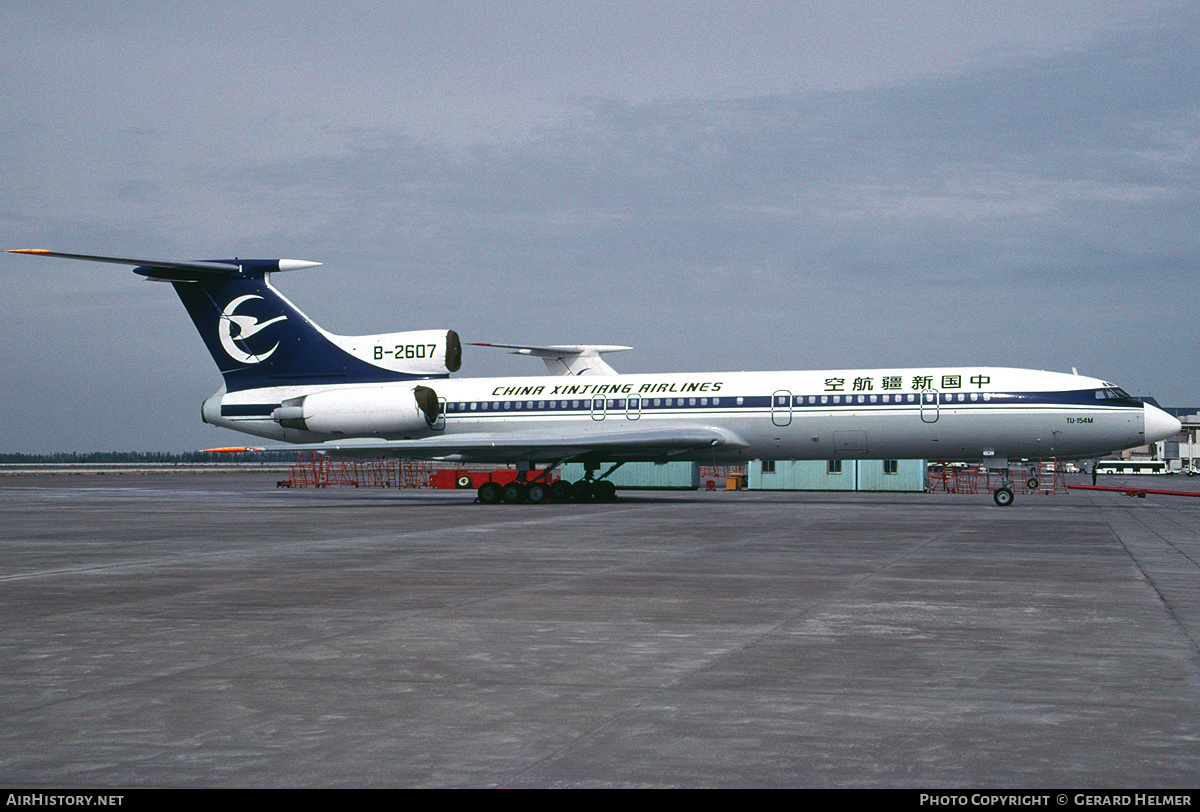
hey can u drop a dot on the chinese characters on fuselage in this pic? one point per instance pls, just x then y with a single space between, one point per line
892 383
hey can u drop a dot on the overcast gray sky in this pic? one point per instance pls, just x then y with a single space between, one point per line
721 185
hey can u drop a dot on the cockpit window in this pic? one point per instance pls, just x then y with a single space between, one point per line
1112 393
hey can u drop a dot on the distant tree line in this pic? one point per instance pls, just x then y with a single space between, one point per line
143 457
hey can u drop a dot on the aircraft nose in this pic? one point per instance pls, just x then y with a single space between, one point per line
1159 424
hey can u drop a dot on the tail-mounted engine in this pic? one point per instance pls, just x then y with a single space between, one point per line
396 411
417 352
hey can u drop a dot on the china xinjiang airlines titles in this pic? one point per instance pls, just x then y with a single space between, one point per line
288 380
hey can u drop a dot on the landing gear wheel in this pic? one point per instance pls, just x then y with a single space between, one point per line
1003 496
1031 483
514 493
490 493
605 491
583 490
537 493
561 490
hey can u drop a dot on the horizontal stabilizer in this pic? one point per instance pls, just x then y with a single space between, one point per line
259 339
184 269
567 359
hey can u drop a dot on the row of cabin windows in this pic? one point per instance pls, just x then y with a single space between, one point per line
619 403
835 466
638 403
930 397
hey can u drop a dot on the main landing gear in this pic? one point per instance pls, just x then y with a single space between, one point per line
520 491
517 492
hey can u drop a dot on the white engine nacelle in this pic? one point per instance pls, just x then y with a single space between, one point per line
417 352
394 410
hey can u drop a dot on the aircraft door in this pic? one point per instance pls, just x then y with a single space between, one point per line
440 423
597 408
929 405
633 407
781 407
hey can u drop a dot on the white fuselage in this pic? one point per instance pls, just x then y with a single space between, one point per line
951 413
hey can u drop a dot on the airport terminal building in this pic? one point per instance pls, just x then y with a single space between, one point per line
836 475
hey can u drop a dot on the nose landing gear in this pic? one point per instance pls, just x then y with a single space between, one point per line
1003 496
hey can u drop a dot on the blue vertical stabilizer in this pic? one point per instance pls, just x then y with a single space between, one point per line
257 337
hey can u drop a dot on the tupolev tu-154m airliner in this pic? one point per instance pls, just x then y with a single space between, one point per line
391 394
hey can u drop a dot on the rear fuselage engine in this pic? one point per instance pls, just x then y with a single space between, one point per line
392 410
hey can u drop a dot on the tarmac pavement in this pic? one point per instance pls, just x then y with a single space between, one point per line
212 631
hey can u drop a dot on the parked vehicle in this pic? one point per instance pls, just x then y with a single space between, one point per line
1132 467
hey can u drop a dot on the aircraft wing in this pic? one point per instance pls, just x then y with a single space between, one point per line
614 446
566 359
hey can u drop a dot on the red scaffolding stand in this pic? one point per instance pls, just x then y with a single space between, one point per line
945 477
416 474
309 470
313 469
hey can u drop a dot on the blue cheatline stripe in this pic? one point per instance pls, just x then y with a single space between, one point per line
248 409
822 402
729 403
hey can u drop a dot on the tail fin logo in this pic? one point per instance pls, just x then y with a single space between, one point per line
234 328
